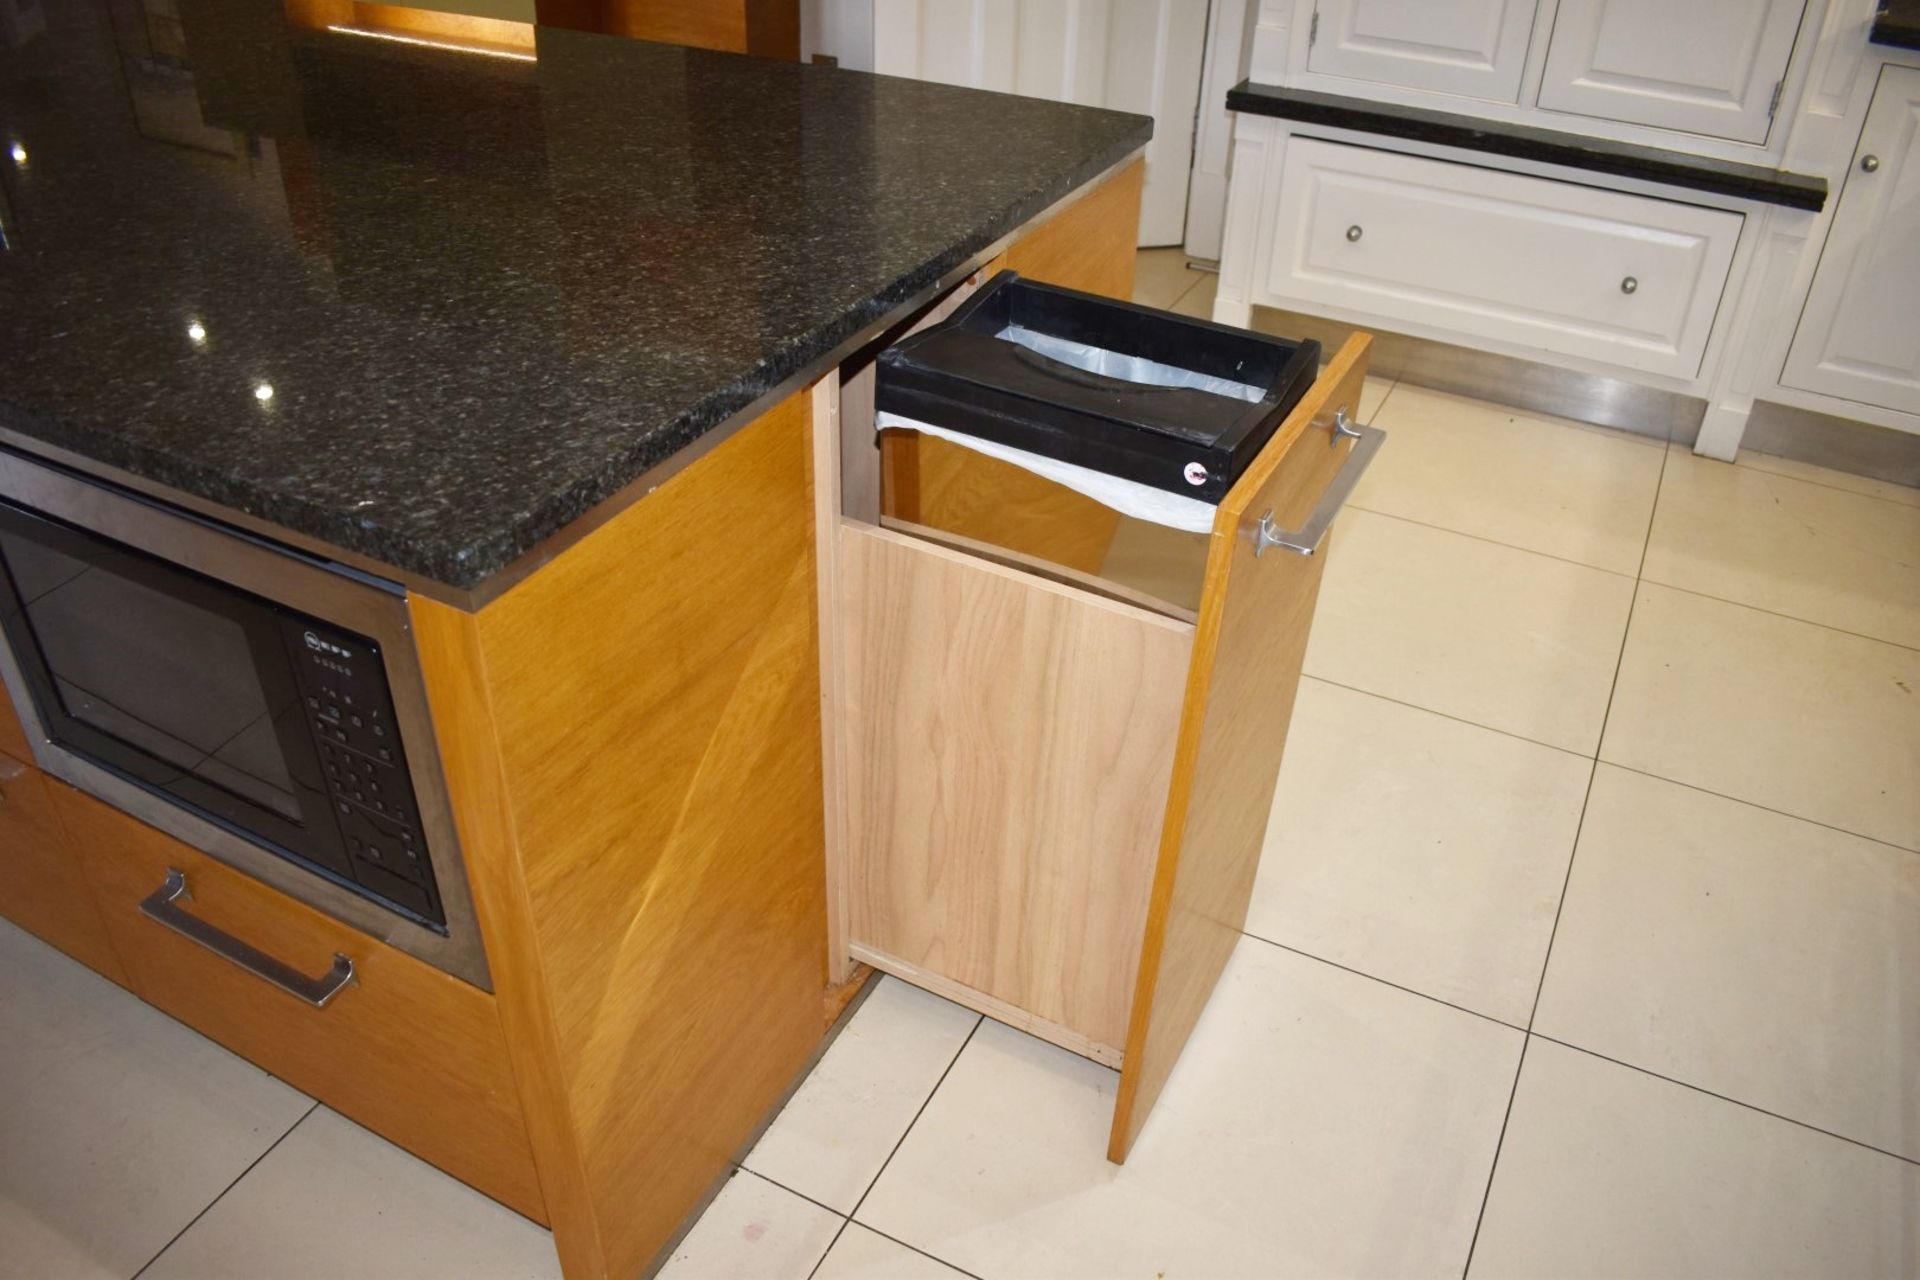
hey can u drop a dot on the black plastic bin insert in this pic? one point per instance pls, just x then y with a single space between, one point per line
1177 404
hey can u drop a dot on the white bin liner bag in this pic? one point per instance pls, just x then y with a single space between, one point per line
1128 497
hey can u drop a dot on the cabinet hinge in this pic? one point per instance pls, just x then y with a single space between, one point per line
1313 28
1773 107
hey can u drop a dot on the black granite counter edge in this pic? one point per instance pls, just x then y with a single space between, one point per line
1524 142
479 571
1897 24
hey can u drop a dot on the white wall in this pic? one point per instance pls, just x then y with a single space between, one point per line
1130 55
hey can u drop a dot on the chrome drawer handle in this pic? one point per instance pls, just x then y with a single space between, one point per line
1307 539
1629 285
1354 233
1869 164
161 905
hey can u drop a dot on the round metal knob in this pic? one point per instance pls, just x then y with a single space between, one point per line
1353 232
1869 164
1629 285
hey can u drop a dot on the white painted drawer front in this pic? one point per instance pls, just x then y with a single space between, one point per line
1480 253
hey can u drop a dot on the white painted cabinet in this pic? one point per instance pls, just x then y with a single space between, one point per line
1702 66
1471 48
1454 251
1859 335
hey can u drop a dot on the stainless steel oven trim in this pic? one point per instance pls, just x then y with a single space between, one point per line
353 600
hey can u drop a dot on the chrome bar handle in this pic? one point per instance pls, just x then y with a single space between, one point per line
162 905
1307 539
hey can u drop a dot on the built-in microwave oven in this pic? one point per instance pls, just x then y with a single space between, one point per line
262 704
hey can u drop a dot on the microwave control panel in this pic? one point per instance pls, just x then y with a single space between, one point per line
344 691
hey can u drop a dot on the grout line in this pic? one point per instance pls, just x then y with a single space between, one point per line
1499 1145
1385 982
1783 813
1445 715
1775 613
1495 542
223 1191
1184 293
820 1204
924 1103
922 1252
1620 1062
1573 853
1820 484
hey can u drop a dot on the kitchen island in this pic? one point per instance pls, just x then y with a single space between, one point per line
532 344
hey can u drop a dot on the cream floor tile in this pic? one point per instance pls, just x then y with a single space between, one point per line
754 1230
1161 277
1806 550
1418 849
1501 637
1834 479
1319 1124
839 1127
1197 301
1607 1171
117 1124
860 1254
1761 957
335 1200
1544 484
1771 710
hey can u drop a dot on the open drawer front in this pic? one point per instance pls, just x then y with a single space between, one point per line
1051 799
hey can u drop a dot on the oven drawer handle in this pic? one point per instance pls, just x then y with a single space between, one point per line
162 905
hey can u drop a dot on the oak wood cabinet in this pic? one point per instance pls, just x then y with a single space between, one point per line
46 889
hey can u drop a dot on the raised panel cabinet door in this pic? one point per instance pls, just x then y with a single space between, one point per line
1471 48
1703 66
1858 338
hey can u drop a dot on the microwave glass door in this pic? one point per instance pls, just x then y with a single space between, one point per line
194 690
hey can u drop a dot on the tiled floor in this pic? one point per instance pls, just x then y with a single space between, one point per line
1586 942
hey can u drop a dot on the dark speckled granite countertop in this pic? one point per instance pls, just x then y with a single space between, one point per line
487 294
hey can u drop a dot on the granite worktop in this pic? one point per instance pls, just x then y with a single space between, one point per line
1680 169
429 307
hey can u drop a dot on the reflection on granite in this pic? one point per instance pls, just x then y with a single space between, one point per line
1897 23
1525 142
434 305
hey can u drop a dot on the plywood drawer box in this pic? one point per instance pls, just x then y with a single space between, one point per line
1447 249
46 890
410 1052
1052 797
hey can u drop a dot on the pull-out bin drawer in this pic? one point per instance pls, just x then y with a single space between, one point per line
1054 785
1446 249
1136 423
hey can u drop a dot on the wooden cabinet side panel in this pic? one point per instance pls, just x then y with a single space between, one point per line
46 891
408 1051
655 695
13 738
455 675
1008 746
1251 638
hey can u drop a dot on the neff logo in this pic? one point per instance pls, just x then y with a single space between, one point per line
318 645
